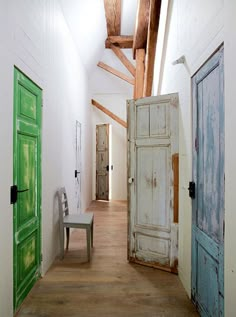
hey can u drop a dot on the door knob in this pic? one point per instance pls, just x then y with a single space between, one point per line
130 180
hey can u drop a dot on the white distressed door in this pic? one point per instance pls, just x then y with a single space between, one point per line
78 165
102 162
152 152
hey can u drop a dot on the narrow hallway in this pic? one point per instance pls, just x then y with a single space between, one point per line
108 285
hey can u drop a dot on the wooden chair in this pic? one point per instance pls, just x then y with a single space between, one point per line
67 221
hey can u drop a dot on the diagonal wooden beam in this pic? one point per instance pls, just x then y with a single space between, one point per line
109 113
141 25
155 8
113 16
116 72
122 41
124 60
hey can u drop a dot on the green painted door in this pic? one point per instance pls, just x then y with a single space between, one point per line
27 176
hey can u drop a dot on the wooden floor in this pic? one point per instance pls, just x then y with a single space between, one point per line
108 286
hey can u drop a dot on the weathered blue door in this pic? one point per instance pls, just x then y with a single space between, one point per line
208 175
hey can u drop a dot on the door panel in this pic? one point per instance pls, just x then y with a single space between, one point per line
208 174
152 161
27 176
152 145
102 162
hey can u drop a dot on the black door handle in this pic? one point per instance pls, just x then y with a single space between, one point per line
14 193
191 190
76 173
22 191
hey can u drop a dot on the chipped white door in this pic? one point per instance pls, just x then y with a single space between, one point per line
152 151
78 165
102 162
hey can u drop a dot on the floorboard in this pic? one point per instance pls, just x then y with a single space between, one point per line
108 286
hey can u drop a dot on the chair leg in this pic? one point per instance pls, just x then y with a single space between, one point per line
61 242
88 234
67 237
92 235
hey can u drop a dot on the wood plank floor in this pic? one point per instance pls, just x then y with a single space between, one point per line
107 286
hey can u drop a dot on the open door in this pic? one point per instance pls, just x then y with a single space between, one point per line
102 162
152 195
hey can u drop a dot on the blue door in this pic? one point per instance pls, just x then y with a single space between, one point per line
208 175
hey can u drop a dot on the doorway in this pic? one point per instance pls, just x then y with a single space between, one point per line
102 162
78 165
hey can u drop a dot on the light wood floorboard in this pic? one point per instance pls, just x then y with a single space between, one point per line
107 286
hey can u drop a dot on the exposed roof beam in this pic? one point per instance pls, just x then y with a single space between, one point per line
122 41
139 78
116 72
113 16
109 113
124 60
141 26
155 7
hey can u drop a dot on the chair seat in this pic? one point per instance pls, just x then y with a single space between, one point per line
78 220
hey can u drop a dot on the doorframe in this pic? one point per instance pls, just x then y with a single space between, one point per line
78 125
16 71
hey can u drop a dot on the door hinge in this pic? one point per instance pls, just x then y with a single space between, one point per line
41 257
223 229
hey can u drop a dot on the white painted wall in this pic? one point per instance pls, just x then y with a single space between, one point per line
195 30
35 37
90 42
112 93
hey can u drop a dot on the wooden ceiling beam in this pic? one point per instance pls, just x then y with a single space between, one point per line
124 60
109 113
116 72
113 16
141 25
121 41
155 8
139 78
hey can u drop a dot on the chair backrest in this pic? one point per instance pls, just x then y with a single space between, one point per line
63 203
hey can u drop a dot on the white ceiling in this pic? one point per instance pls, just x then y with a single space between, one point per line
86 20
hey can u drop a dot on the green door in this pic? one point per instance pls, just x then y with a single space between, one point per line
27 178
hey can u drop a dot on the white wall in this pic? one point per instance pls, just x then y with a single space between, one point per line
195 30
112 93
34 36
